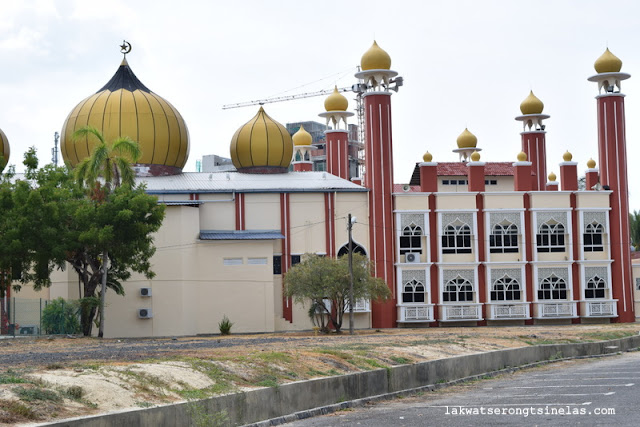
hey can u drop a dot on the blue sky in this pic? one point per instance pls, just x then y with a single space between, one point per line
465 63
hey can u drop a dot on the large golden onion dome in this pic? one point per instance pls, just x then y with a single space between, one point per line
126 107
261 145
4 148
302 137
467 139
608 63
375 59
336 101
531 105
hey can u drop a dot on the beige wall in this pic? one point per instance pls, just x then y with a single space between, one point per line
592 199
307 216
411 202
503 201
358 205
453 202
262 211
218 212
550 199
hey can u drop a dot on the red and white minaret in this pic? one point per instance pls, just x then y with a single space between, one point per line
302 150
533 139
337 146
612 152
378 78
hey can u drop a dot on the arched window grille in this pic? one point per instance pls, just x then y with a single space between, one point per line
595 288
458 289
550 237
552 288
411 239
413 291
357 249
504 238
593 237
505 289
456 239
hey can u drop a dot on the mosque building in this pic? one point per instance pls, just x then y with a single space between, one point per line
466 242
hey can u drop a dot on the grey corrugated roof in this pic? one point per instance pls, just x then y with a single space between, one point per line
180 202
226 182
240 234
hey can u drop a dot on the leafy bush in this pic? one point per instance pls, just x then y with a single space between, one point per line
61 317
225 325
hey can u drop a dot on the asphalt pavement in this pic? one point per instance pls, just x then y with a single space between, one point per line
592 392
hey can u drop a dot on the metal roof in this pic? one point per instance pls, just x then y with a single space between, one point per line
226 182
240 235
461 169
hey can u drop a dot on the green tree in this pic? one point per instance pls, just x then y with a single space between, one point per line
320 280
111 162
61 317
634 229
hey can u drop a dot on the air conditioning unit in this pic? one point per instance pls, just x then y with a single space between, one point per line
145 313
411 257
145 292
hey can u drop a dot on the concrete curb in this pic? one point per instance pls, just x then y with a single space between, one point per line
292 401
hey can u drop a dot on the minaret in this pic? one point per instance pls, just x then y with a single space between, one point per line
378 78
467 145
337 146
302 150
533 139
612 152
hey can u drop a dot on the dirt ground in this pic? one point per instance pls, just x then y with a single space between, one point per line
50 378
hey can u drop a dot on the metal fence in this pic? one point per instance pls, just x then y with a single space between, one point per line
24 317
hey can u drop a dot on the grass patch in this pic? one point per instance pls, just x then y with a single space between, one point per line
35 394
400 360
221 379
275 357
11 379
16 410
315 373
606 336
144 404
374 363
268 381
54 366
336 353
75 392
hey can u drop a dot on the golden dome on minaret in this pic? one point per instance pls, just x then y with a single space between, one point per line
552 177
302 137
261 145
475 156
591 164
375 59
608 63
126 107
428 157
531 105
522 156
467 139
336 101
4 148
567 156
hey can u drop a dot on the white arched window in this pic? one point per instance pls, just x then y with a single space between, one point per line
410 240
505 289
550 237
595 288
413 291
552 288
504 238
458 289
456 239
593 237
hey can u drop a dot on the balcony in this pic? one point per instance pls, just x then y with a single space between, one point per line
515 310
555 310
599 309
460 312
415 313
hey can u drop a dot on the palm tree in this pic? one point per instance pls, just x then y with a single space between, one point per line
111 162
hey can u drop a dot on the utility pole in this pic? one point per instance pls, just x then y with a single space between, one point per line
350 222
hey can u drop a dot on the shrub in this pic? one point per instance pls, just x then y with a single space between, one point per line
225 325
61 317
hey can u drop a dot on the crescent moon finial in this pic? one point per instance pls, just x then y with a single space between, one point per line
125 47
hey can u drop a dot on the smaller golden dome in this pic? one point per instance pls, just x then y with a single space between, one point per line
475 156
531 105
375 59
591 164
552 177
336 101
608 63
567 156
522 156
467 139
302 137
427 157
4 148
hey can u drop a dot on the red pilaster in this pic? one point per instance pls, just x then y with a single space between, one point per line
576 238
357 180
379 179
429 177
476 176
612 152
482 275
522 180
330 230
337 151
592 178
433 250
569 176
528 253
534 144
240 211
285 229
552 186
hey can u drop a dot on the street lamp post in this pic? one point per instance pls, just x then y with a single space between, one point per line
350 221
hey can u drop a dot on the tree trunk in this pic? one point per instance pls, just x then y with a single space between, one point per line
103 290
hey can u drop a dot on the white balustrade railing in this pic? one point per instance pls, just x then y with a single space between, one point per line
509 311
415 313
556 309
461 312
601 308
